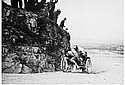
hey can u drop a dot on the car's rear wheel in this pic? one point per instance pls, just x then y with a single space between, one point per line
63 65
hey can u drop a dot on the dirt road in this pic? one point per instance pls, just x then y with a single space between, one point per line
108 68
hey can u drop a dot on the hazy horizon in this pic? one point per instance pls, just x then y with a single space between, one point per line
90 41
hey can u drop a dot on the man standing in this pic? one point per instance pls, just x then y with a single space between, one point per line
52 8
20 3
25 4
56 14
40 5
14 3
62 23
30 4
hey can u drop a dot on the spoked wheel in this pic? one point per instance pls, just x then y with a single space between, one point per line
88 65
63 65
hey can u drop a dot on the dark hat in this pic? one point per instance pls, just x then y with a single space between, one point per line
65 18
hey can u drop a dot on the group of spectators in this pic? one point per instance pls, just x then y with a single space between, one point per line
14 3
34 5
27 3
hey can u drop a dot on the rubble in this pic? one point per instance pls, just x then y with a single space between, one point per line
31 41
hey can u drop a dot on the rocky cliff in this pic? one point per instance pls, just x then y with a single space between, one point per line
31 42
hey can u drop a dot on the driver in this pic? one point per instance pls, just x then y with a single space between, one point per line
76 55
79 55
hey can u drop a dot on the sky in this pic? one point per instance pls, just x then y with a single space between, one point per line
92 19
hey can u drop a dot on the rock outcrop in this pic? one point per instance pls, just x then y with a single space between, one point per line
31 42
